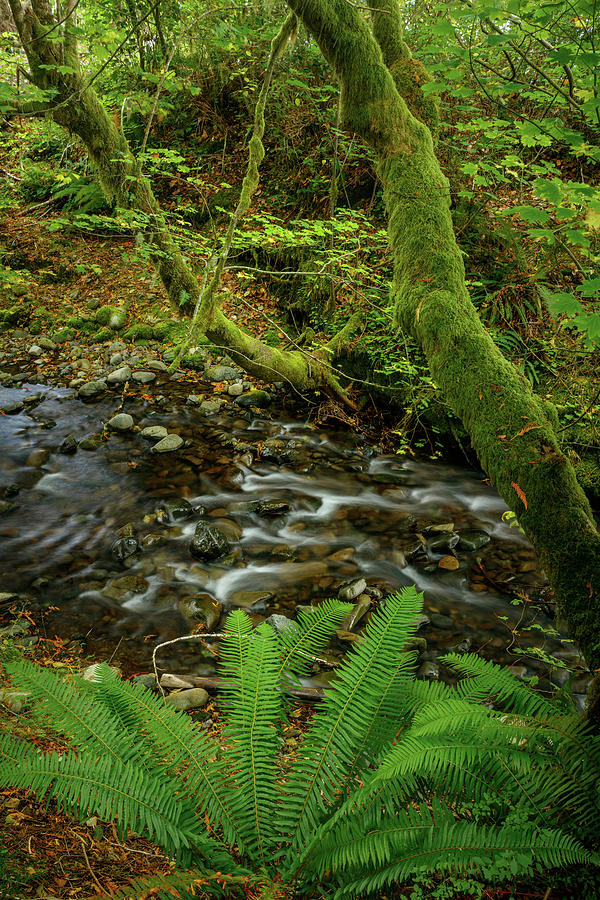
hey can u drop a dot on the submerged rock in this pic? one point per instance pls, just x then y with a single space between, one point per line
154 432
470 541
201 610
124 547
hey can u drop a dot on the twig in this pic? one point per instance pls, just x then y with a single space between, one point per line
87 862
184 637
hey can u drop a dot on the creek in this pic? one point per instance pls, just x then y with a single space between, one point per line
306 510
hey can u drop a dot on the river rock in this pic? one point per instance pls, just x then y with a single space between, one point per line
351 591
46 343
256 601
120 588
168 444
261 399
11 409
154 432
271 508
124 547
144 377
280 623
221 373
92 442
35 350
193 400
120 422
119 376
235 389
428 671
210 407
442 542
68 446
470 541
6 507
91 389
443 622
201 609
360 609
157 365
38 457
194 698
175 682
208 542
178 509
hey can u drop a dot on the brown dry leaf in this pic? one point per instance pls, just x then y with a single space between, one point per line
448 562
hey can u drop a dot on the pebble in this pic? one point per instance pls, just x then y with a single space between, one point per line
144 377
91 389
35 350
210 407
236 389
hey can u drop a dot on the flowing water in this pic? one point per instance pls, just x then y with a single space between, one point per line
345 512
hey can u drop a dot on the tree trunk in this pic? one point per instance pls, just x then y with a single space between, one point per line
511 430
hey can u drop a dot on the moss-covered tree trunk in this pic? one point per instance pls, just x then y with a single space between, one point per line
54 64
511 430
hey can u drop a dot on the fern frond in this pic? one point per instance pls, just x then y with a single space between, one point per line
68 706
482 676
178 884
432 839
329 748
250 664
181 745
305 638
87 784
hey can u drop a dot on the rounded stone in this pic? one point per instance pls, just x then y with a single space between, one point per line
208 542
120 422
119 376
168 444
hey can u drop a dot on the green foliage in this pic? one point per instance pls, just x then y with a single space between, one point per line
393 780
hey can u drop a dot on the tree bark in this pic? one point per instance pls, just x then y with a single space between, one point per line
511 430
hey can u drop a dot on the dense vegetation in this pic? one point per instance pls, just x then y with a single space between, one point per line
308 160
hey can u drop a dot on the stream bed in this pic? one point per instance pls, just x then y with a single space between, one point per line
101 536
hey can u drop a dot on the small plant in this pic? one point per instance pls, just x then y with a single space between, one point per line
393 779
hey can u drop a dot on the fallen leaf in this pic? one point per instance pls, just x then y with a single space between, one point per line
448 562
520 494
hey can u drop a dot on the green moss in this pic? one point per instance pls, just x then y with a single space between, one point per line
103 334
138 332
113 316
63 335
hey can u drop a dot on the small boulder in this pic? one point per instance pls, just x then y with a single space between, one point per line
120 375
154 432
124 547
91 389
120 422
144 377
194 698
353 590
260 399
168 444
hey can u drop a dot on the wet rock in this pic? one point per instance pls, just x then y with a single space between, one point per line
210 407
194 400
120 588
194 698
201 609
442 542
428 671
260 399
154 432
119 376
231 529
11 409
6 507
91 389
147 680
91 443
348 637
120 422
443 622
272 508
144 377
470 541
423 621
178 509
208 542
360 609
416 645
68 446
124 547
256 601
168 444
351 591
